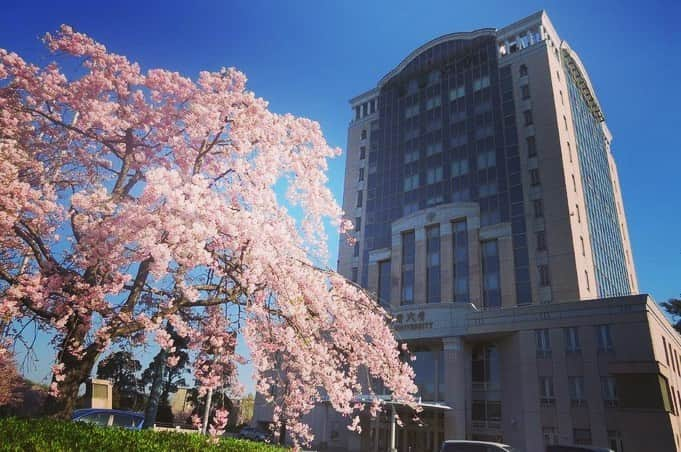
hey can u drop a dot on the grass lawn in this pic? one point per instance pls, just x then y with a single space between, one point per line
24 435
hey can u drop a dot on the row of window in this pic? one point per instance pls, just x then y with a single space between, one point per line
572 342
670 352
547 395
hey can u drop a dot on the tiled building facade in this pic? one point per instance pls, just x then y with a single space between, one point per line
489 221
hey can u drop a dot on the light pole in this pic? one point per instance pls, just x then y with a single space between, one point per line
209 399
393 418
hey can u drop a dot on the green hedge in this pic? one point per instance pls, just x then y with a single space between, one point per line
20 435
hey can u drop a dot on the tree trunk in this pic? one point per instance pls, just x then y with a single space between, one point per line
155 391
282 432
76 372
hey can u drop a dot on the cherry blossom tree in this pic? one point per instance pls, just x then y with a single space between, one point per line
131 199
11 380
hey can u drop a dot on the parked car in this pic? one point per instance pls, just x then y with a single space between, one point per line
253 434
475 446
564 448
107 418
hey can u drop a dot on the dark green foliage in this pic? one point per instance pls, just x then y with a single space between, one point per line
121 368
673 307
19 435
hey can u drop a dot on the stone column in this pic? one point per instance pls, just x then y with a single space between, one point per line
456 388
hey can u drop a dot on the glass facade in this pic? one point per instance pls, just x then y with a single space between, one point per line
446 133
384 282
491 286
429 369
442 136
460 257
612 278
408 258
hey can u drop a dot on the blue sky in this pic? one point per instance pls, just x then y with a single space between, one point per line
310 57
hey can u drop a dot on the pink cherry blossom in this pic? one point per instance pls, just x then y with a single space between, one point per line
131 198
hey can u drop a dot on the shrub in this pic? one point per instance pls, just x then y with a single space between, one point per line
19 435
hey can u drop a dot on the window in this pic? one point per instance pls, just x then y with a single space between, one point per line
576 386
433 148
354 274
574 184
550 435
433 102
581 242
488 189
358 224
604 338
456 93
363 135
541 240
384 282
408 256
372 106
565 122
411 156
124 420
360 195
487 159
434 175
586 277
579 216
411 111
410 207
561 98
609 391
543 343
480 83
531 146
525 92
434 77
459 167
538 208
571 339
362 152
666 352
582 436
534 177
95 418
355 250
411 182
361 174
569 151
546 395
615 441
490 272
527 114
544 280
523 70
433 264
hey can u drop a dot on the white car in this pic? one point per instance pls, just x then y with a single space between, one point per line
475 446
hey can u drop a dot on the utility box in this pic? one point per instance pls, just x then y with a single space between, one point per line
98 394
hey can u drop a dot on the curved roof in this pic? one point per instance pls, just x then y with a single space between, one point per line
583 82
432 43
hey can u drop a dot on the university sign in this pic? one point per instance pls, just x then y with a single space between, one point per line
411 321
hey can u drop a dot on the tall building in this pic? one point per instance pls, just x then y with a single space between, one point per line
489 222
492 145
